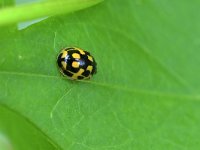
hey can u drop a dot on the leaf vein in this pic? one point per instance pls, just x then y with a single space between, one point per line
116 87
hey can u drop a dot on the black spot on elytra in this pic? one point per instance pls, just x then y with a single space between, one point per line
59 60
67 73
80 77
86 73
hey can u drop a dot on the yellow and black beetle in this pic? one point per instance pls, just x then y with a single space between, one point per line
76 63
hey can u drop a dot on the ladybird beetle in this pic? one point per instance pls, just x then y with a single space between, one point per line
76 63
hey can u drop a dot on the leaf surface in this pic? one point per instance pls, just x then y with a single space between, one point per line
145 94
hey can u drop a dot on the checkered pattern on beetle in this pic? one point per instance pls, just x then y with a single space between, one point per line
76 63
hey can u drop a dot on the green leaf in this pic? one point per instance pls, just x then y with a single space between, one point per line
6 3
18 133
145 94
47 8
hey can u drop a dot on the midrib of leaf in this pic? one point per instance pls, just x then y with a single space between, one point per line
115 87
35 10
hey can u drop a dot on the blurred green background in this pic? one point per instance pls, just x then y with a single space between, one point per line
145 94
